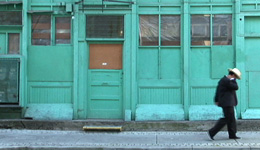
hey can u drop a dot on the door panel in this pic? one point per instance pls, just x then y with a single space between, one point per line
252 51
253 69
105 81
254 89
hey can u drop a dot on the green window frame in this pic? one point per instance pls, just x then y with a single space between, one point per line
47 29
159 30
211 29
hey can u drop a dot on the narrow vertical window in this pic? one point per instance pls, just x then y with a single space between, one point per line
13 43
170 30
149 30
41 29
222 27
63 30
200 30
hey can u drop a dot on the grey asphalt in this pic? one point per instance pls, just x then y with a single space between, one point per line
78 140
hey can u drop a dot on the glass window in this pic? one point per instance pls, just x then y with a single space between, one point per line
41 29
63 30
10 18
170 30
9 80
105 26
14 43
200 30
149 30
222 27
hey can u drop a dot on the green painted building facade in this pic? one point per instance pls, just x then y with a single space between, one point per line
126 59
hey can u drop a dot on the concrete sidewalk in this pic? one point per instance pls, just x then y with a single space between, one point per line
79 140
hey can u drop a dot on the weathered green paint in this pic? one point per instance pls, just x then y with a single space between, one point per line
157 112
205 112
182 75
49 111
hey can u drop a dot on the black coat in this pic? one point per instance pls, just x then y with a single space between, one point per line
226 92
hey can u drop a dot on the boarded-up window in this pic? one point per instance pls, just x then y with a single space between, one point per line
222 27
41 29
200 30
170 30
105 56
14 43
63 30
10 18
105 27
149 30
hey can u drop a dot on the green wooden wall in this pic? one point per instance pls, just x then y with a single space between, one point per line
182 77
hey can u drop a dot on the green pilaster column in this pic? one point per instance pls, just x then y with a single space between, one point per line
23 69
134 47
76 60
185 54
240 57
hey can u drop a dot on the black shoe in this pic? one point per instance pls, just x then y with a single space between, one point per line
235 138
210 136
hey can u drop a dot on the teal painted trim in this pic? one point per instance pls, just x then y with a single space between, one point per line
76 64
104 39
186 57
24 45
134 49
240 57
211 29
106 12
160 13
11 26
127 68
159 49
11 56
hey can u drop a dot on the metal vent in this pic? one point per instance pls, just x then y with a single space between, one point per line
9 80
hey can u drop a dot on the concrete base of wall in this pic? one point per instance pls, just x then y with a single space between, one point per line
205 112
251 114
155 112
49 111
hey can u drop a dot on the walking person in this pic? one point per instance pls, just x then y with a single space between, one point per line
226 98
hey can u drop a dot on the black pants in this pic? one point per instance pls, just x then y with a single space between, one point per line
229 119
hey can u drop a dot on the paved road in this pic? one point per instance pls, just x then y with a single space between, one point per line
79 140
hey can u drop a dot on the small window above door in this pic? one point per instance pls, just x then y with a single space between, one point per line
105 27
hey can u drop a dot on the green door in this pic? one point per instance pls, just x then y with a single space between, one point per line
105 81
252 50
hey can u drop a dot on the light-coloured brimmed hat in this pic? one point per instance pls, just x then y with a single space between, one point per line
236 72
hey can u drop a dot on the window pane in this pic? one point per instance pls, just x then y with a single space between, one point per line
170 32
10 18
9 79
63 30
105 26
41 29
149 30
200 31
14 43
222 27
